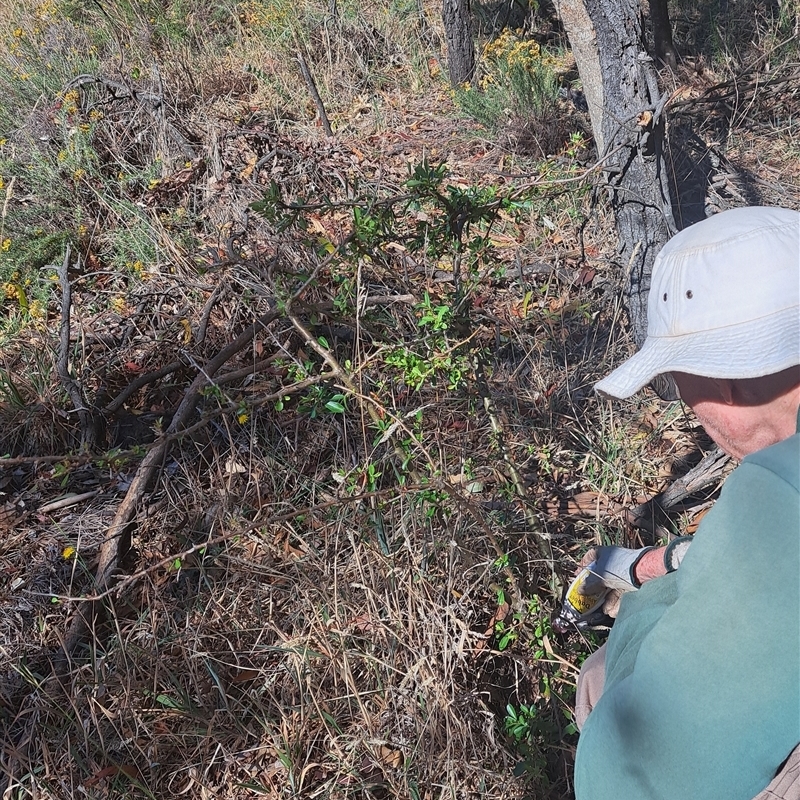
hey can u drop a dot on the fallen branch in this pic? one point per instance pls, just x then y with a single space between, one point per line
108 554
708 472
140 382
67 501
647 515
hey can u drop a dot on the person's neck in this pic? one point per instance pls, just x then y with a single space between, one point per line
780 416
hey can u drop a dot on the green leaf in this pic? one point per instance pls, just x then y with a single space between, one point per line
167 702
334 407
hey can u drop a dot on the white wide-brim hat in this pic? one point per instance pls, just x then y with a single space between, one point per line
724 301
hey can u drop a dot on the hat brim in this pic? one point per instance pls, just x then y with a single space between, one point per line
721 353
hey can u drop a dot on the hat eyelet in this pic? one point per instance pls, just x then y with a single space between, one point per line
665 297
689 294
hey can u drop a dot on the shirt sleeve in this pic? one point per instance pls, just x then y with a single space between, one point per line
702 695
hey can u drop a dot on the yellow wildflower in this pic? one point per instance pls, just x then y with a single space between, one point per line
36 309
5 246
68 552
242 417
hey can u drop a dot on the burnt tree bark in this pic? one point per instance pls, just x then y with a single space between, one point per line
457 20
627 113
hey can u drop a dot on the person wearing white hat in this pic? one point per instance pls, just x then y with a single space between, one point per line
696 695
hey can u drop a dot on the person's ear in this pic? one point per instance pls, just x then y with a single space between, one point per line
726 389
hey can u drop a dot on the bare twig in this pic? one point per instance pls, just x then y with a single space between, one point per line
139 382
202 327
88 433
69 458
250 369
312 90
67 501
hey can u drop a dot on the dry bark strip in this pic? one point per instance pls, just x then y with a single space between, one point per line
646 515
709 471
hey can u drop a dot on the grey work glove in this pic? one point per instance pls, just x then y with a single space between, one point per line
612 567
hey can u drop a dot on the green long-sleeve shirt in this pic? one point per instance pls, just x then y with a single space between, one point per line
702 692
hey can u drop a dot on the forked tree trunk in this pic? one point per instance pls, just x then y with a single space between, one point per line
626 109
457 21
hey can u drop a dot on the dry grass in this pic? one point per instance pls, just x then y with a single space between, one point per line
338 580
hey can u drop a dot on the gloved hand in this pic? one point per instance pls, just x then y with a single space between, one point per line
613 567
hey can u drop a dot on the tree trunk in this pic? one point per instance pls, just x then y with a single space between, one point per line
662 34
460 46
626 109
